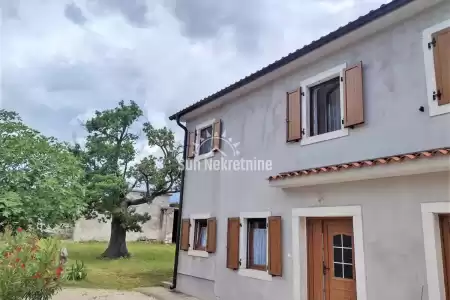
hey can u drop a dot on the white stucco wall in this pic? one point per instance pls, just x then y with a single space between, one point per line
158 228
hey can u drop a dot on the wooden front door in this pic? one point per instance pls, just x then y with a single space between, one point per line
331 267
445 234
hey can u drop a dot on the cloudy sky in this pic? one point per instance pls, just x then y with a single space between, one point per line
63 59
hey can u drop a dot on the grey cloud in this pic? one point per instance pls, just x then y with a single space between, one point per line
75 14
204 19
135 11
61 75
9 9
69 70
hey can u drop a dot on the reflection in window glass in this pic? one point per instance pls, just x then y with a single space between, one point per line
206 141
343 256
201 231
325 107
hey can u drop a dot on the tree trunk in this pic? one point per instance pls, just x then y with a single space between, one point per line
117 247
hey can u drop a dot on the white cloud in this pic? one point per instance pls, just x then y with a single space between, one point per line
67 58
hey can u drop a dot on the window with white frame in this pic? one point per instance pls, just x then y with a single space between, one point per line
323 100
325 107
200 234
254 245
436 42
257 244
204 140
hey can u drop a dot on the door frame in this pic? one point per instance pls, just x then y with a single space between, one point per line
433 247
300 250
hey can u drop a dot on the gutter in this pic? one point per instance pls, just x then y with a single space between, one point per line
180 208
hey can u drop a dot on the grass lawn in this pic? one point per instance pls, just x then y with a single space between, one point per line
149 265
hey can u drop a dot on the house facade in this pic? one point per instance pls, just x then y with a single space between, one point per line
325 175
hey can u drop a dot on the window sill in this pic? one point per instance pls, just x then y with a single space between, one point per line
436 110
199 157
324 137
261 275
198 253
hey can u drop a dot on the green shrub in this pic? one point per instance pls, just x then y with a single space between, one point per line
76 272
29 266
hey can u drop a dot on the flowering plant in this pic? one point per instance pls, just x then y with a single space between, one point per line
29 267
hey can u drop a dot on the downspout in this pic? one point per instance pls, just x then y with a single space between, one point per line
180 208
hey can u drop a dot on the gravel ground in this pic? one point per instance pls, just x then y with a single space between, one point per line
93 294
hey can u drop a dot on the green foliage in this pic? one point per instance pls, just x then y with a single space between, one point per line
40 179
76 272
112 172
29 267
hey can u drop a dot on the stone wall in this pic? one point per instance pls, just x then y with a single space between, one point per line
159 228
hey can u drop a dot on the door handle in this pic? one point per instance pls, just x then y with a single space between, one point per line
325 269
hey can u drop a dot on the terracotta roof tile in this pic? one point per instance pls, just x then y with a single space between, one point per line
365 163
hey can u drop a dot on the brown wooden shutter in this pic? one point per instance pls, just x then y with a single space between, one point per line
212 236
191 145
217 129
275 247
353 96
442 66
185 230
294 116
234 228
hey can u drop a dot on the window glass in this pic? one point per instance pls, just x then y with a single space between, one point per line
201 232
325 107
206 141
343 256
257 244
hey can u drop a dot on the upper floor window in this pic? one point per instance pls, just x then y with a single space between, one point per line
206 140
436 45
325 107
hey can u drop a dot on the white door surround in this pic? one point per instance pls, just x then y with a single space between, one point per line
299 245
433 247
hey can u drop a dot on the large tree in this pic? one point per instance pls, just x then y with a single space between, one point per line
40 179
113 172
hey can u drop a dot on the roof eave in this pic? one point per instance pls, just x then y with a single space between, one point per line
341 32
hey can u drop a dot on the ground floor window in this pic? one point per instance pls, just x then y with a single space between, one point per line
257 244
201 234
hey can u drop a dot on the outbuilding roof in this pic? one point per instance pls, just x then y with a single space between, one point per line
341 31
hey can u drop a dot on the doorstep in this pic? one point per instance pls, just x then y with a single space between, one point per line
161 293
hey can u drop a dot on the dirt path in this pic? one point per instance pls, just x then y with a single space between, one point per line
93 294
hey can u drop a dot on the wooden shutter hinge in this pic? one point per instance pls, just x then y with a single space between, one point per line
342 79
432 44
240 262
437 95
